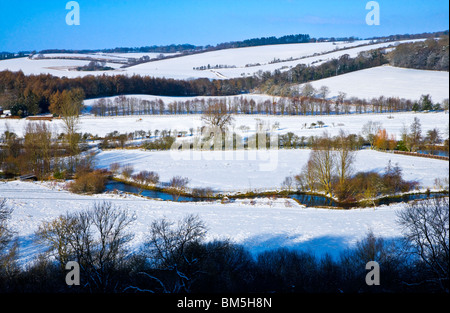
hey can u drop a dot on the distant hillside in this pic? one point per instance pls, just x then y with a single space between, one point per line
300 38
9 55
146 49
411 36
264 41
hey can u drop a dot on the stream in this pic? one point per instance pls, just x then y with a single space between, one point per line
305 199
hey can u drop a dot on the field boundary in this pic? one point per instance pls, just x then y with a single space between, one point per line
422 155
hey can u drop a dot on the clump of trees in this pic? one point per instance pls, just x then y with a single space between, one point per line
426 234
383 141
87 179
162 140
41 151
330 170
95 66
299 38
146 178
114 140
162 143
366 186
96 239
217 118
306 101
89 182
329 166
176 258
178 186
411 139
431 54
32 94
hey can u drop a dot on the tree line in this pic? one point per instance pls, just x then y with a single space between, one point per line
264 41
308 102
32 94
176 258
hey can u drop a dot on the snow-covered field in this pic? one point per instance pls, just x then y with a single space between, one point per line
260 170
389 81
351 123
268 224
116 57
59 67
183 67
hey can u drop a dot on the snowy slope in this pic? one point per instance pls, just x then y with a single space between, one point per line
182 67
267 225
56 67
389 81
118 57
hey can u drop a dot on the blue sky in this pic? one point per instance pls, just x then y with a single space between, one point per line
38 25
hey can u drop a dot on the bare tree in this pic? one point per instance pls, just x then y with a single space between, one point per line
95 238
127 171
37 148
107 252
178 186
426 232
5 232
168 249
345 157
70 109
370 130
217 117
308 90
8 247
324 91
287 184
146 178
323 160
56 234
114 168
306 180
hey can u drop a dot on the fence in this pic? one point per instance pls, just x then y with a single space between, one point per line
439 157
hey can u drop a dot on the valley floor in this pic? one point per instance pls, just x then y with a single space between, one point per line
260 170
264 225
